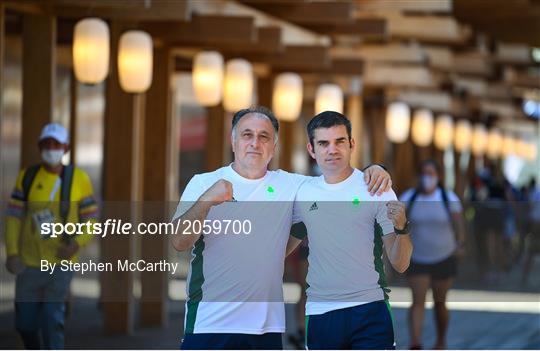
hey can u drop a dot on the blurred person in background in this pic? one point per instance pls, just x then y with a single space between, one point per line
49 192
532 239
522 219
438 237
476 195
495 221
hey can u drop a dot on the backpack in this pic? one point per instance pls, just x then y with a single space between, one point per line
65 188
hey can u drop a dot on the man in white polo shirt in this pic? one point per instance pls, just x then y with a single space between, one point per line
235 297
347 228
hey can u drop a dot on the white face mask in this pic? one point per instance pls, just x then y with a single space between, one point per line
429 182
52 157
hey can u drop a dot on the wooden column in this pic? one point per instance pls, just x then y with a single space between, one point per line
2 51
215 137
286 133
378 134
38 77
404 166
461 180
121 190
154 295
356 116
74 98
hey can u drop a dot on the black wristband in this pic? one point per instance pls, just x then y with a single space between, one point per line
403 231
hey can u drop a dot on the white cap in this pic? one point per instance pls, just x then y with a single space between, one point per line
55 131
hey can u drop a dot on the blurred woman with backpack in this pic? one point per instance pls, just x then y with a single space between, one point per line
438 236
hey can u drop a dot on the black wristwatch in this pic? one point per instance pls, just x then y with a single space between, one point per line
403 231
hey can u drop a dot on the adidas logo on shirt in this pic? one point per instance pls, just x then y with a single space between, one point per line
314 207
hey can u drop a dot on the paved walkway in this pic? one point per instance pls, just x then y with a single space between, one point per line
468 330
503 315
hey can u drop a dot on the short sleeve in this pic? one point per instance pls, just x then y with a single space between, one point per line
193 191
298 229
297 214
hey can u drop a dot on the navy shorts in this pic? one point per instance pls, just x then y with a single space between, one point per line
362 327
229 341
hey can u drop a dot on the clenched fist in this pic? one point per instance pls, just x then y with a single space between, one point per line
397 213
219 192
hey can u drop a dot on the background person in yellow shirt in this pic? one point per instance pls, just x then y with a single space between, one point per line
47 192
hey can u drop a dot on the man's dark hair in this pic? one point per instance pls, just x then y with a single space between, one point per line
327 119
256 109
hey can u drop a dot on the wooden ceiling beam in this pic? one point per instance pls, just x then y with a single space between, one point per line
495 10
29 7
319 12
133 10
433 29
292 34
518 54
473 63
515 21
440 58
512 31
366 28
205 31
382 53
435 100
473 86
326 17
502 109
268 41
382 75
335 67
300 57
410 6
522 78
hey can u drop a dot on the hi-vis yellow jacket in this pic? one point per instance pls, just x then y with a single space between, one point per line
23 238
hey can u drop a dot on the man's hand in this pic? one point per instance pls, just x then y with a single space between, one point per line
14 264
219 192
377 179
67 251
396 212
